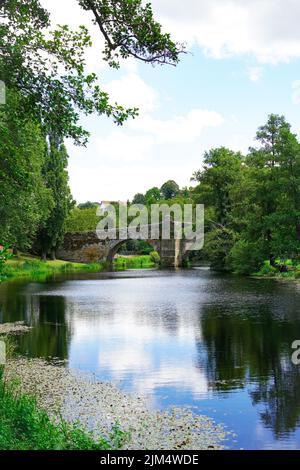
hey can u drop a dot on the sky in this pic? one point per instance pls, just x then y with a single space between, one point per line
243 63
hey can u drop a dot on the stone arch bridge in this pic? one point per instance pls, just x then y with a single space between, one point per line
85 247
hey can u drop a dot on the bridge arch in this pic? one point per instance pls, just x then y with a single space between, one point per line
116 245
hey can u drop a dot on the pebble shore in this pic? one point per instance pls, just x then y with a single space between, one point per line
11 328
98 406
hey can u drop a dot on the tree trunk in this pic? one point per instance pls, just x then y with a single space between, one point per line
53 255
15 251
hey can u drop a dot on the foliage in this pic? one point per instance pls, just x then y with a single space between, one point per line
153 196
169 190
154 256
5 254
25 200
253 202
218 245
82 220
138 247
49 69
133 262
88 205
32 268
56 178
139 198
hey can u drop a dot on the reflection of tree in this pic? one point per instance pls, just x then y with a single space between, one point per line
12 305
50 336
254 347
281 398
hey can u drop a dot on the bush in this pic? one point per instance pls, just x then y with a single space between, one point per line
267 270
245 257
154 256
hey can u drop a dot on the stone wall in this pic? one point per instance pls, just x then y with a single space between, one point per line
83 247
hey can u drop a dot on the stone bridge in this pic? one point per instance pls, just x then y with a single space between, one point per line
85 247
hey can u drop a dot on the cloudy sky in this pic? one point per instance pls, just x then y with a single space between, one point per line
244 63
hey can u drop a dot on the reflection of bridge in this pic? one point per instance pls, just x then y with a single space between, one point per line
86 247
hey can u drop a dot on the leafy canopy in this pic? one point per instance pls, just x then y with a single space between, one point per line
48 68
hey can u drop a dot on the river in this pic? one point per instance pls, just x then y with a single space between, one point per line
219 344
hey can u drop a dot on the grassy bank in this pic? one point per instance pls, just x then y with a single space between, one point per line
133 262
34 268
285 270
23 426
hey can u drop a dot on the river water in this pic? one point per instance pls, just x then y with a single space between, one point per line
220 344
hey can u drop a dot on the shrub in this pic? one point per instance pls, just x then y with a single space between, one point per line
154 256
245 257
267 270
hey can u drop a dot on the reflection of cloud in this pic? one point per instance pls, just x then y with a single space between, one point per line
264 436
123 359
136 343
182 376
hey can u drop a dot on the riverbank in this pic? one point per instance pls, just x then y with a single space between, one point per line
100 406
287 271
25 426
30 267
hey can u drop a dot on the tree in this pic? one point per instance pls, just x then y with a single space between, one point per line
56 179
49 71
139 198
274 171
25 200
153 196
169 190
221 172
88 205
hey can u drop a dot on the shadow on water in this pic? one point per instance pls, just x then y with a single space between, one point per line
220 344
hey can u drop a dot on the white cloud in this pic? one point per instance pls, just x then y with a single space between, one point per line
132 91
124 147
266 29
179 128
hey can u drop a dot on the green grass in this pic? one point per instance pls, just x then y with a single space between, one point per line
23 426
133 262
33 268
291 271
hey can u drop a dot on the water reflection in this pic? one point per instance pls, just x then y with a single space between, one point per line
220 344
